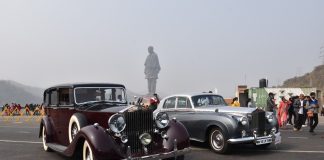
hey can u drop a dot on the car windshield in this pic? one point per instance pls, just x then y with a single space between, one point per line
99 94
208 100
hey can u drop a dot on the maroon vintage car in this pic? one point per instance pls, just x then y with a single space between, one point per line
93 121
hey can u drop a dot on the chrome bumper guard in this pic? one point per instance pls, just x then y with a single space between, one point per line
163 155
254 139
173 154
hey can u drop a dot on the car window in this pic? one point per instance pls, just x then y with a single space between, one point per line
53 98
46 99
207 100
169 103
96 94
65 96
183 102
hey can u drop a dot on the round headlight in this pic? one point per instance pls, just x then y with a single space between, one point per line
244 121
162 120
270 118
145 139
117 123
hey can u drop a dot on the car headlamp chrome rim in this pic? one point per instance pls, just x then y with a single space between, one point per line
117 123
145 139
162 120
270 118
244 121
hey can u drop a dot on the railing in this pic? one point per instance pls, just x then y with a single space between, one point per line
26 115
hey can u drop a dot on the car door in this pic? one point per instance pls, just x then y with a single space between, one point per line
66 107
184 113
179 107
53 113
169 106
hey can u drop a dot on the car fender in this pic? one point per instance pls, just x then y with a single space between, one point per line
48 126
176 130
225 122
101 142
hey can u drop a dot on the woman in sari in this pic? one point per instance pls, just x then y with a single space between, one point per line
283 112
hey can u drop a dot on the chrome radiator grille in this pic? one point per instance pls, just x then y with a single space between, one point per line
137 123
258 121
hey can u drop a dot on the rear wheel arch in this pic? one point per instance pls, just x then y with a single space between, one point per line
45 123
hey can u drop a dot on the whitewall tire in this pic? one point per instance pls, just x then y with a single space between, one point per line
45 147
77 121
87 151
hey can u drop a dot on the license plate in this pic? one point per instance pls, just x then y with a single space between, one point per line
263 141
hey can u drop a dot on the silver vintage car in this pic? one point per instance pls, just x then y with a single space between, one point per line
208 119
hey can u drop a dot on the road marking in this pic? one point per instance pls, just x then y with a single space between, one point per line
11 141
24 132
298 137
294 151
285 151
16 127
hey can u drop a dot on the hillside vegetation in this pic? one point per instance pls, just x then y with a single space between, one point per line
311 79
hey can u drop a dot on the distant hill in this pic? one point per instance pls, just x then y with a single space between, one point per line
14 92
312 79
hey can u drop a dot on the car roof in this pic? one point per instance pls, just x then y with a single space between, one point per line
192 94
75 85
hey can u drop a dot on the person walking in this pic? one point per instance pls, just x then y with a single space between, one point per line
282 112
235 102
313 112
291 112
299 105
249 103
271 105
306 117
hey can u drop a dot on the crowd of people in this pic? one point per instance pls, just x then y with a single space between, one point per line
15 109
299 111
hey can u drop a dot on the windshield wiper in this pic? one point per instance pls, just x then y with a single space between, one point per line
97 103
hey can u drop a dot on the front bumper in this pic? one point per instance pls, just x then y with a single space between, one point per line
174 153
276 138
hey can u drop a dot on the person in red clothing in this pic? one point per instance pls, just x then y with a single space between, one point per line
283 112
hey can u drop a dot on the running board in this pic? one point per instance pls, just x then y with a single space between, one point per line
56 147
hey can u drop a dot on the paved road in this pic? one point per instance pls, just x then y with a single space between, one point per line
19 140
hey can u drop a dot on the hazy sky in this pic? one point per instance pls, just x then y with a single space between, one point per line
201 44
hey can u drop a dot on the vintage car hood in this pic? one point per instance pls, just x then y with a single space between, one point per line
226 109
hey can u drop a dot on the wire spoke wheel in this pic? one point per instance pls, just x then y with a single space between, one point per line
74 130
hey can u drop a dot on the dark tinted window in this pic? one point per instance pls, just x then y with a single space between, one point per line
65 96
170 103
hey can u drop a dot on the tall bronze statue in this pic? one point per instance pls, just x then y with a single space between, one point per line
152 69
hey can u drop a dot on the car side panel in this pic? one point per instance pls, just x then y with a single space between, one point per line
197 123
